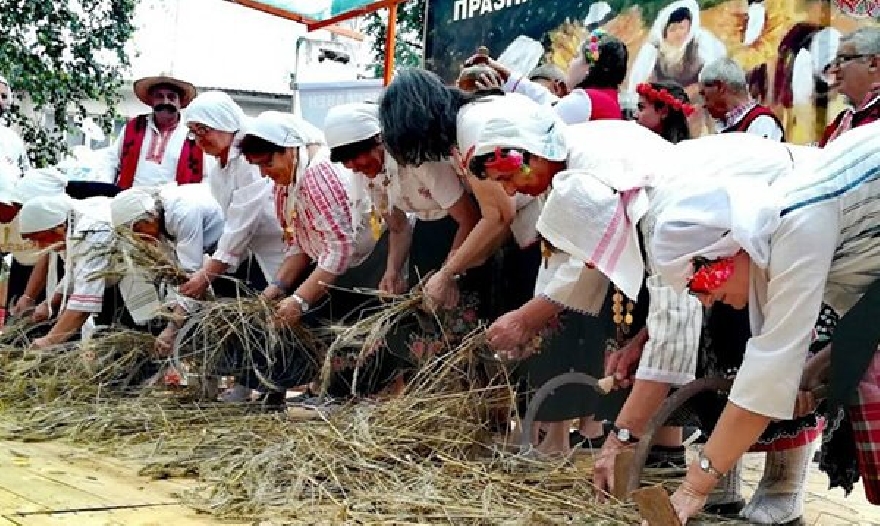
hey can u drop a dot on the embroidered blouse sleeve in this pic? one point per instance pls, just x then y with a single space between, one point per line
328 213
443 183
88 293
569 283
767 383
242 220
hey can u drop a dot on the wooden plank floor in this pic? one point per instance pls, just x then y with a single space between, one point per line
53 484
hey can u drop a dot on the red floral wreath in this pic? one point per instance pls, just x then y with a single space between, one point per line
664 97
511 162
709 276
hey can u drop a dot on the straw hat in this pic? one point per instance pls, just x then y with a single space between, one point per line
143 86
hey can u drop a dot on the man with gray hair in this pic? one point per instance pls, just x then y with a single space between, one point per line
13 154
551 77
726 97
855 73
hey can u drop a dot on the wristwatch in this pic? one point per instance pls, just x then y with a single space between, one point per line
624 435
707 467
303 304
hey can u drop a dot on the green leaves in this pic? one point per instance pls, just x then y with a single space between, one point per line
57 55
410 34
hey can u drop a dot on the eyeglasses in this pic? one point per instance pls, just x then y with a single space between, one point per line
200 130
840 60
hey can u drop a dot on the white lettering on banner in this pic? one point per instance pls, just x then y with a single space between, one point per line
464 9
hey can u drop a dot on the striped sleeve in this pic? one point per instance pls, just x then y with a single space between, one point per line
674 324
88 288
328 212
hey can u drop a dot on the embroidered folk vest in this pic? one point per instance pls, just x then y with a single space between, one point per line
190 167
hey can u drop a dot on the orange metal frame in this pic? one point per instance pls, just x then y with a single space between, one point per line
330 24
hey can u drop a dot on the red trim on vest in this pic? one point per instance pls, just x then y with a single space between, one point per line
749 118
860 118
190 167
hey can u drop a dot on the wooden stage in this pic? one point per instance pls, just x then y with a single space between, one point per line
54 484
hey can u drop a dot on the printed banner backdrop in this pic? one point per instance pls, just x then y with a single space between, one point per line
783 45
316 98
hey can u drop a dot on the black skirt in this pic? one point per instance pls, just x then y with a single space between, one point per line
725 333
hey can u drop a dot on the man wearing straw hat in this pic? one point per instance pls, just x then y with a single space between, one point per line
155 148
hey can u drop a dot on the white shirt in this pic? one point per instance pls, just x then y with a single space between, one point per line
574 108
12 151
832 211
427 191
248 204
194 221
158 159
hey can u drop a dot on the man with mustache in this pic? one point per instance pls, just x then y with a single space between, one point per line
13 154
156 149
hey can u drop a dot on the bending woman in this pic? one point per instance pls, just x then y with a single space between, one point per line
781 253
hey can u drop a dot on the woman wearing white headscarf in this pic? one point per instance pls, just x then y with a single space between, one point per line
433 193
82 231
781 253
245 197
677 49
325 220
186 218
29 268
604 200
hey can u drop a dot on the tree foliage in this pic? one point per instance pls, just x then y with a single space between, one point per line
409 47
58 55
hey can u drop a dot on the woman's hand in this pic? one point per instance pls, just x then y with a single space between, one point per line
392 283
288 313
197 285
164 345
22 305
688 501
42 343
41 313
623 362
603 469
441 291
509 334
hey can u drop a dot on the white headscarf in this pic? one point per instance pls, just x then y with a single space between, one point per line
713 221
510 121
45 212
284 129
38 182
597 223
216 110
351 123
132 205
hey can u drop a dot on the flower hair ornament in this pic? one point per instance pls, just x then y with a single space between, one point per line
591 46
513 161
709 275
664 97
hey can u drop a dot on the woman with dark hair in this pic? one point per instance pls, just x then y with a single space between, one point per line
592 81
664 108
432 194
